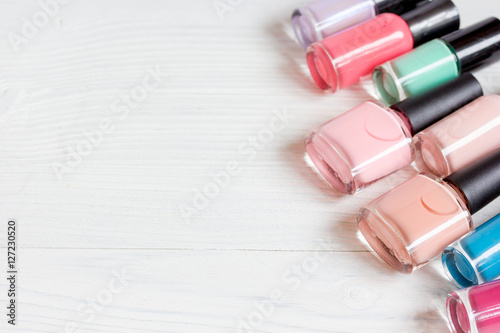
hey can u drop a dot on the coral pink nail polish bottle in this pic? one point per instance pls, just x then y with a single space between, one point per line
343 59
475 309
371 141
414 222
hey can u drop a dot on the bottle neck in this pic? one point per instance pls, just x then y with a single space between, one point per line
432 20
455 54
455 191
375 5
385 6
401 118
397 7
458 191
476 45
406 121
463 201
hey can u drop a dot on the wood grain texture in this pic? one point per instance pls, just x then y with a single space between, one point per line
222 83
218 291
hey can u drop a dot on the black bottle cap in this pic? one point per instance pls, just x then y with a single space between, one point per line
432 20
397 6
479 181
477 44
425 109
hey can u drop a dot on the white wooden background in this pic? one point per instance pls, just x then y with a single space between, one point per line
274 251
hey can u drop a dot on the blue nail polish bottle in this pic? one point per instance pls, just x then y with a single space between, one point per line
475 258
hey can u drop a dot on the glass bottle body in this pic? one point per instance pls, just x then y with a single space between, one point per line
323 18
461 138
429 65
342 60
475 309
414 222
475 258
361 146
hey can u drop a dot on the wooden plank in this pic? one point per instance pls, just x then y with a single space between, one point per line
224 291
221 82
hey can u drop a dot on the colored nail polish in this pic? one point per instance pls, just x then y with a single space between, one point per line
371 141
414 222
438 61
343 59
475 309
475 258
323 18
462 137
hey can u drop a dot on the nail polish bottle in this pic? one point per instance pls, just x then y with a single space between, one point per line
323 18
371 141
341 60
414 222
462 137
475 309
438 61
475 258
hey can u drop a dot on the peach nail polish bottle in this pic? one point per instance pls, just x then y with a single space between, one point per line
414 222
460 138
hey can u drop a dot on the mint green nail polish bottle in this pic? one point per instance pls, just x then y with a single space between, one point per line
438 61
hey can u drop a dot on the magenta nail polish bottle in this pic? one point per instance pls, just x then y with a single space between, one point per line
475 309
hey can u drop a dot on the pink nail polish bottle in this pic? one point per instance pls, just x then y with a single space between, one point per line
414 222
460 138
475 309
371 141
341 60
